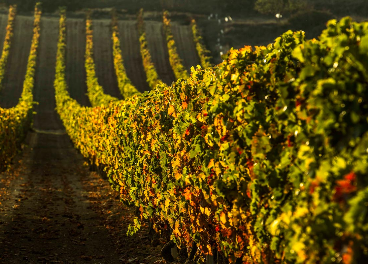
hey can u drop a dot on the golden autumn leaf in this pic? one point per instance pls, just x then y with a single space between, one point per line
209 248
299 248
187 194
211 164
176 230
301 212
205 210
223 218
171 111
177 176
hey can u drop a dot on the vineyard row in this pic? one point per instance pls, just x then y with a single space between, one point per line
262 158
16 121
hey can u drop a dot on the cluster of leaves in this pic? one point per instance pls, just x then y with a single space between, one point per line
149 67
7 43
262 157
95 91
15 122
174 58
126 87
201 49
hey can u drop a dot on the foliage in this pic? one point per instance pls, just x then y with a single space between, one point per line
15 122
95 91
7 43
263 157
176 63
149 67
126 87
200 47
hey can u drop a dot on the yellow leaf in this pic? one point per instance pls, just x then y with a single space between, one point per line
187 194
209 248
274 227
171 111
205 210
301 211
176 229
299 247
223 218
217 168
177 176
211 163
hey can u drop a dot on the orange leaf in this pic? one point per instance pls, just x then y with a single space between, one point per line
171 111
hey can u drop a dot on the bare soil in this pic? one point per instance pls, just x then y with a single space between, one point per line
75 51
17 62
3 24
46 118
129 42
54 210
183 37
158 49
103 55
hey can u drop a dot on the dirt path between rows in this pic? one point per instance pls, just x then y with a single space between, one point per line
3 24
102 51
17 62
46 117
52 208
75 51
158 49
129 41
183 37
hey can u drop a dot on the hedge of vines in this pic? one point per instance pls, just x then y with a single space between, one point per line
151 73
16 121
95 91
262 158
7 43
175 61
126 87
200 47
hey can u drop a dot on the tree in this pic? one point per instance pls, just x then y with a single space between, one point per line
279 6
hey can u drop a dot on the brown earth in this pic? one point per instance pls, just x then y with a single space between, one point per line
46 118
183 37
75 51
3 24
104 61
17 62
54 210
158 49
129 42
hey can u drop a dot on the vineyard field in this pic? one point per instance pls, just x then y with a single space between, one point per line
75 52
120 142
129 38
102 49
17 62
158 49
3 23
48 196
186 48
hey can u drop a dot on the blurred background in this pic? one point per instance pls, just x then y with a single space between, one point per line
223 23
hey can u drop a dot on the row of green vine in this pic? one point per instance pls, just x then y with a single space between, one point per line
7 43
16 121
